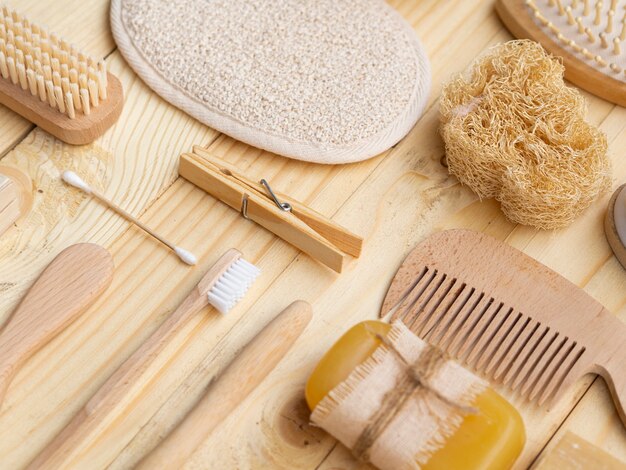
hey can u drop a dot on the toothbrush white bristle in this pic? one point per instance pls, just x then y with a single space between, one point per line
232 285
48 68
73 179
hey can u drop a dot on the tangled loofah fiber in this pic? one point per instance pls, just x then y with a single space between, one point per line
515 132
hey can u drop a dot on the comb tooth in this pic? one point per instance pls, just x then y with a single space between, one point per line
498 337
565 375
452 292
442 293
488 334
459 320
537 376
411 306
447 313
414 291
413 316
464 331
514 349
543 385
478 329
530 364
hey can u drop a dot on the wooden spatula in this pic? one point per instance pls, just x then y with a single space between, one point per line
507 316
68 285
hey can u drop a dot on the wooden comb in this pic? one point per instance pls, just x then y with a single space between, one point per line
507 316
590 36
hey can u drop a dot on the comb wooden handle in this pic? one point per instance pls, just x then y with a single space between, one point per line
70 283
610 340
616 381
251 365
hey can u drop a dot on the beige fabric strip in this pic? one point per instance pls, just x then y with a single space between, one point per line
398 407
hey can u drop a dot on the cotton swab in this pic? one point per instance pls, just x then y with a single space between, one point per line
73 179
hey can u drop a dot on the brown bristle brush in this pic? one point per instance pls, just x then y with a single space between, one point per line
54 85
589 35
615 224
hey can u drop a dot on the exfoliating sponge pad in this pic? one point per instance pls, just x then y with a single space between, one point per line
515 132
328 81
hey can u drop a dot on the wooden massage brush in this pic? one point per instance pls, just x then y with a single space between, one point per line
54 85
590 36
507 316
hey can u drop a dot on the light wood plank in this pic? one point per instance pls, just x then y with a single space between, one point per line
393 200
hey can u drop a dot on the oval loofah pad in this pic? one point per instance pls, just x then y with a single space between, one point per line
328 81
515 132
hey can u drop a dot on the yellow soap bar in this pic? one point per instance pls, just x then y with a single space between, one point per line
491 439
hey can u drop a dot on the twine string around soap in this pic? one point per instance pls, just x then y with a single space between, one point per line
415 382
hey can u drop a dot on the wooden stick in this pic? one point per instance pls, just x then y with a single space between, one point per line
121 384
257 359
73 179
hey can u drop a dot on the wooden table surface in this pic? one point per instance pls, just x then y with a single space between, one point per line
394 201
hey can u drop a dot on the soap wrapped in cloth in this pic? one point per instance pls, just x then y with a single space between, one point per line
401 405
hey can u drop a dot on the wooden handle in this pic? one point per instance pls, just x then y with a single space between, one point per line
611 363
70 283
616 381
245 372
124 379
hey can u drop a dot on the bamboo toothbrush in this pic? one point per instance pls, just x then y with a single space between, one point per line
251 365
54 85
222 286
73 179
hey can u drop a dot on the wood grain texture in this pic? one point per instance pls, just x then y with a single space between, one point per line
16 190
573 453
302 227
81 130
70 284
252 364
518 18
120 385
506 315
394 201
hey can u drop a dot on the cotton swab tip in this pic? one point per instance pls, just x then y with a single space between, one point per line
186 256
73 179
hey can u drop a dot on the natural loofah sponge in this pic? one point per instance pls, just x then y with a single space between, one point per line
515 132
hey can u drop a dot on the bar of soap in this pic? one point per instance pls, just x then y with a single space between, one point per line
491 439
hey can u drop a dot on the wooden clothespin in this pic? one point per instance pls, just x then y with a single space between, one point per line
291 220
